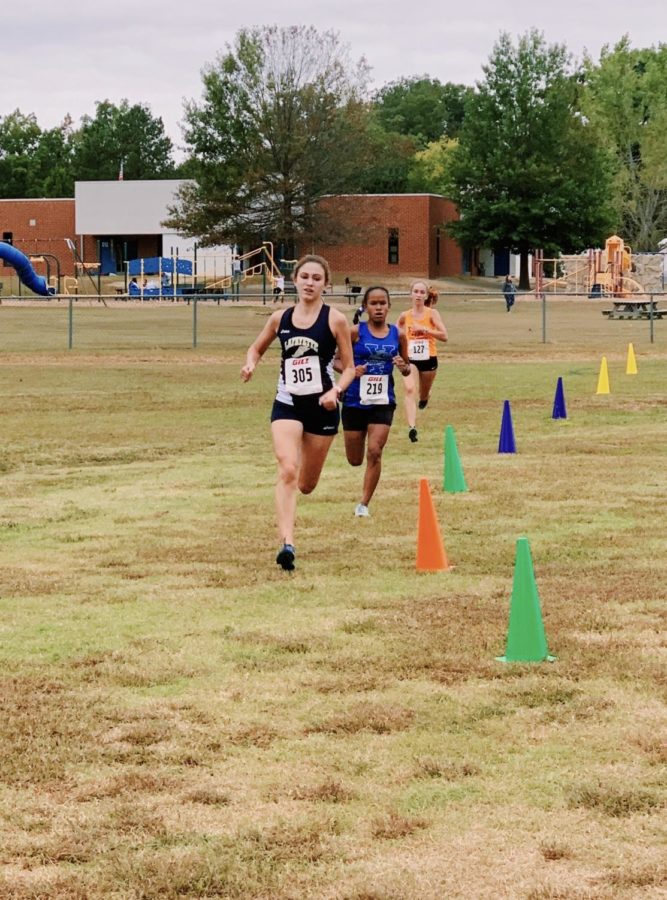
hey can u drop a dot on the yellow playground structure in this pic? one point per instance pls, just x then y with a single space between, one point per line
596 273
261 262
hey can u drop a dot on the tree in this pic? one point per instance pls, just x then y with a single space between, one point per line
282 123
124 135
528 171
431 167
625 97
422 107
51 172
391 159
19 139
35 163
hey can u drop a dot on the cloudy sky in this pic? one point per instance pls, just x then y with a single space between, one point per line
60 57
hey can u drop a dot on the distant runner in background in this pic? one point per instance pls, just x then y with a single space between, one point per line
422 326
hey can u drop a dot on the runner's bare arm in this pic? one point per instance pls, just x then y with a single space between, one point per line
439 332
341 331
259 346
354 336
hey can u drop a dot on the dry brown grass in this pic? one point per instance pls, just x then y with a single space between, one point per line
180 719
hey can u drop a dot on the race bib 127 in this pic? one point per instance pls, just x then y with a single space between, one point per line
418 349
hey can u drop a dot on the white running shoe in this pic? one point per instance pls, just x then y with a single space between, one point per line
361 510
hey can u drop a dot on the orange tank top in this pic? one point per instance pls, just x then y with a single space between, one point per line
410 324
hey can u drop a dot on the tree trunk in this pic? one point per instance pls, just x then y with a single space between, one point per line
524 273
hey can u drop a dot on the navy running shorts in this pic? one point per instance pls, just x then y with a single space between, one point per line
314 418
358 418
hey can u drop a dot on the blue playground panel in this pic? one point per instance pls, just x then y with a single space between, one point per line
153 265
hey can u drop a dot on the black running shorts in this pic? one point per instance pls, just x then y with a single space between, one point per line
425 365
314 418
358 418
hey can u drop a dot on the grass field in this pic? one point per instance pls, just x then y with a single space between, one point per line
182 719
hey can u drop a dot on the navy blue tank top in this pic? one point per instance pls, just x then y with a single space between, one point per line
306 366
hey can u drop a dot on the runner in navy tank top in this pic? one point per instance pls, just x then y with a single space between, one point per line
304 418
306 368
369 402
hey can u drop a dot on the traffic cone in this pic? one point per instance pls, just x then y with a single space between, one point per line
431 556
603 379
631 366
507 444
526 640
559 411
454 481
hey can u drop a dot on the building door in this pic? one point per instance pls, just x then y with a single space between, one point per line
107 257
501 262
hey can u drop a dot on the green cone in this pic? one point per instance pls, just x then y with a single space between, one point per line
526 640
454 482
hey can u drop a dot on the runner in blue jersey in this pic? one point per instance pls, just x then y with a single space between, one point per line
304 418
369 402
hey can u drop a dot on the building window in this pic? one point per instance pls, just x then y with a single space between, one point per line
8 238
392 247
437 246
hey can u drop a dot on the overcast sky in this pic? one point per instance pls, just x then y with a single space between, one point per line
60 57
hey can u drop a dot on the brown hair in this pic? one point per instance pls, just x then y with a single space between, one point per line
313 258
431 297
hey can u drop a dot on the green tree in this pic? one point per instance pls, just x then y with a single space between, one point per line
51 172
127 135
431 167
282 122
422 107
528 171
625 98
19 139
390 161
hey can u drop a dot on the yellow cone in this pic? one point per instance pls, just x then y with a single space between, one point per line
603 380
631 367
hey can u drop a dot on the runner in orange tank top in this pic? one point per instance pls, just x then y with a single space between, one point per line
422 326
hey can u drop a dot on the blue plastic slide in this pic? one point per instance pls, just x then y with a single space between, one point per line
24 270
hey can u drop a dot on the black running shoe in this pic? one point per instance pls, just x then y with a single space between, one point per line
412 434
423 403
286 557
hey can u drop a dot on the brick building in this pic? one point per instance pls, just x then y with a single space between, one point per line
109 222
393 234
38 227
106 223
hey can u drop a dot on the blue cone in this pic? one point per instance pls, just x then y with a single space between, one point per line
559 411
507 444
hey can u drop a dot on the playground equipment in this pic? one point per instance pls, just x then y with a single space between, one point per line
266 267
168 271
24 270
82 268
180 276
598 273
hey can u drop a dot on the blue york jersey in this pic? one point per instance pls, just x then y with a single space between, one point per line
376 354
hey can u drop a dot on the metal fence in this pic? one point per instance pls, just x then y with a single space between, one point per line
474 320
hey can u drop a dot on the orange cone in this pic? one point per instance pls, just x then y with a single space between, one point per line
431 556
